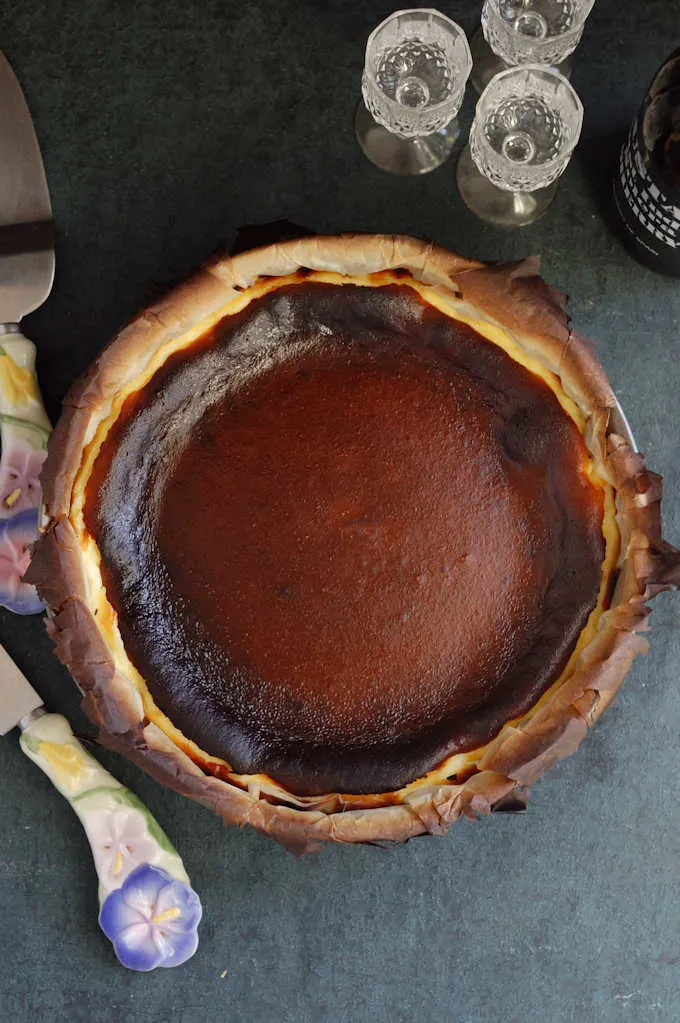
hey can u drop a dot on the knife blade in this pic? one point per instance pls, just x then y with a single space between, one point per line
26 276
18 698
125 839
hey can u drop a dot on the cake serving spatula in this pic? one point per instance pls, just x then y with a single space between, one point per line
26 275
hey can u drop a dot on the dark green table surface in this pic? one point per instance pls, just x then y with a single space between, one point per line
165 127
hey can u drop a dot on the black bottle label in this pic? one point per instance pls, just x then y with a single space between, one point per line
650 217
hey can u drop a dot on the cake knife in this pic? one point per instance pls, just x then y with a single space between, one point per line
26 275
147 906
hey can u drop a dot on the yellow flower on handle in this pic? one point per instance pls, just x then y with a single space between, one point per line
17 382
68 766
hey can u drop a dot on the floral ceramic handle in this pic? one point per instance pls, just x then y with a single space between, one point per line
24 429
148 908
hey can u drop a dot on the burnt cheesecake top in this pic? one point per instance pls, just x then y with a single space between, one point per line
345 536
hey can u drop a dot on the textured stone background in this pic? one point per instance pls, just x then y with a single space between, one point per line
165 126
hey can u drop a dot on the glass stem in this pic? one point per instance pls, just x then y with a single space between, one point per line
398 155
499 206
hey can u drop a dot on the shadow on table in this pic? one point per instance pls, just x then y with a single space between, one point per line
598 157
253 236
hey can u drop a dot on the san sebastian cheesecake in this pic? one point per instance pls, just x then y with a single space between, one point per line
345 538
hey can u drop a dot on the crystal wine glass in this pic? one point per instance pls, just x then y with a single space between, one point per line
526 125
417 64
526 32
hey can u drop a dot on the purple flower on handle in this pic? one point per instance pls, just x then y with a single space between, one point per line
16 536
152 919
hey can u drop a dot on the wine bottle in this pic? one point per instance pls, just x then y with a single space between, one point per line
647 179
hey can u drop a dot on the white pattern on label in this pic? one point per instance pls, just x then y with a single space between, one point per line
662 219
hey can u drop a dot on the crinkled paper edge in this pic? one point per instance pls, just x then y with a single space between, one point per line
517 299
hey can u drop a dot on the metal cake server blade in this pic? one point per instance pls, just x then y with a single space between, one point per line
26 236
26 275
133 856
